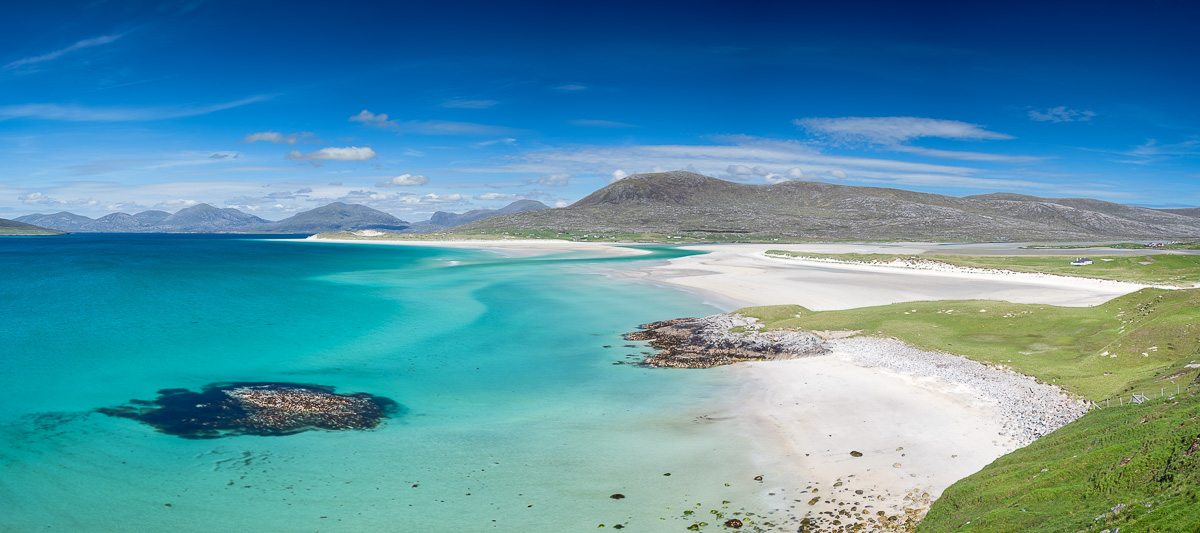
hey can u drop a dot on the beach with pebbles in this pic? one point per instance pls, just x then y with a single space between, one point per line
849 426
858 422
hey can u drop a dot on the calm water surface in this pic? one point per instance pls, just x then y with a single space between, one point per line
516 417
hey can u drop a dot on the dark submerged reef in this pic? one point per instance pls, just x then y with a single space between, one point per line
256 408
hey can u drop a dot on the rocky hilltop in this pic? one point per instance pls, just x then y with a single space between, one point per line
690 204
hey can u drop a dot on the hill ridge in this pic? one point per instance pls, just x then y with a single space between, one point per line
687 203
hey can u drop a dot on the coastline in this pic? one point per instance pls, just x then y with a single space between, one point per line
744 274
918 429
916 433
805 416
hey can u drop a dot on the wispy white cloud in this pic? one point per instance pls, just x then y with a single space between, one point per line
446 127
469 104
176 203
74 113
495 196
276 137
557 179
617 175
79 45
1061 114
402 201
894 130
602 124
965 156
1152 152
750 158
571 87
404 180
429 127
507 140
37 198
371 119
349 153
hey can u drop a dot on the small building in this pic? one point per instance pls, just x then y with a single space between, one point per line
1081 261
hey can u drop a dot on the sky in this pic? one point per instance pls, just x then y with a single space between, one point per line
411 107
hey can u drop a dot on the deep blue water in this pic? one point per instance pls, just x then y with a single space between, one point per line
516 418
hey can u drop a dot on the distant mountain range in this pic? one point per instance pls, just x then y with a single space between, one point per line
204 218
689 204
12 227
441 220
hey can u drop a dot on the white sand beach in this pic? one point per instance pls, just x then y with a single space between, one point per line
742 275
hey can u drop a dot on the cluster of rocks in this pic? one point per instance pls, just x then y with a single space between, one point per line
282 408
255 408
721 340
1028 409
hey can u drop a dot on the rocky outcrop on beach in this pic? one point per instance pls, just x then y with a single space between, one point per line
1028 409
722 340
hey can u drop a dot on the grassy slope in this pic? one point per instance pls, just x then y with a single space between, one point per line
1159 269
1063 345
12 227
1146 457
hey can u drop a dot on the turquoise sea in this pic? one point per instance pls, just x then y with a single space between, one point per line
515 417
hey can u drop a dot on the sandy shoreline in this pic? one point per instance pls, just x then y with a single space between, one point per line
741 273
919 429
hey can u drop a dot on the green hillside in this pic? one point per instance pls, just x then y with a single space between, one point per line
1136 468
12 227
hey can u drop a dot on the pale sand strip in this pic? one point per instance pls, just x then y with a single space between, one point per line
742 273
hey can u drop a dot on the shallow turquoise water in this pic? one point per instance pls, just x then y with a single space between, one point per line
516 418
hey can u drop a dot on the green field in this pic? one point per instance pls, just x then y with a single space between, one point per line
1134 343
1151 269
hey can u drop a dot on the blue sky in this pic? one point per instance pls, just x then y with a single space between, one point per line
279 107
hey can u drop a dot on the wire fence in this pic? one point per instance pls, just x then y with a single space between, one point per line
1138 398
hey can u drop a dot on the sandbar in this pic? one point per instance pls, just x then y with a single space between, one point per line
743 276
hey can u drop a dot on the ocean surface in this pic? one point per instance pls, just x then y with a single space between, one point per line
514 416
